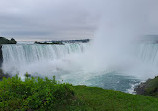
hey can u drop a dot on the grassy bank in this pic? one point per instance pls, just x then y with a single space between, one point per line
45 94
108 100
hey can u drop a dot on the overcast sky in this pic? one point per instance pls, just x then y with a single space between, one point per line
72 19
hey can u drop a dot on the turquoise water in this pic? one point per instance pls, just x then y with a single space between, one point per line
115 82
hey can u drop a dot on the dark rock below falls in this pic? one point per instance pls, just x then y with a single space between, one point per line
148 88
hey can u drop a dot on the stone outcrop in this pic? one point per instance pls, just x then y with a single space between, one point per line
1 56
148 88
3 40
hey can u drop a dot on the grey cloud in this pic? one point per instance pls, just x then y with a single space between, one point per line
21 33
70 19
50 17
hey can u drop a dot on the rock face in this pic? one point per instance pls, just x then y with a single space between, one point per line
1 56
148 88
3 40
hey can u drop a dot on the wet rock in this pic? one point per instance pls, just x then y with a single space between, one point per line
148 88
1 56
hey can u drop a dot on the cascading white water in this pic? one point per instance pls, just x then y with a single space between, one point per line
22 58
16 58
24 54
149 53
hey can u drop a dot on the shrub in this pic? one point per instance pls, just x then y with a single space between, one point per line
33 94
2 74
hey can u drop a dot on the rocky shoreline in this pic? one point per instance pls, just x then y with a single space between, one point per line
148 88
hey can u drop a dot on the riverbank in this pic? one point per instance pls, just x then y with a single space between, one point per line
109 100
148 88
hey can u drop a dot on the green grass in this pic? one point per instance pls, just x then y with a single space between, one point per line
98 99
151 87
37 94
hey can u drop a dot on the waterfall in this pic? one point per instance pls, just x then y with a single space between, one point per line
20 56
148 53
48 60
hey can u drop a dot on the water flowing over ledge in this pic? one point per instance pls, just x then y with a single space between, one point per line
22 55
